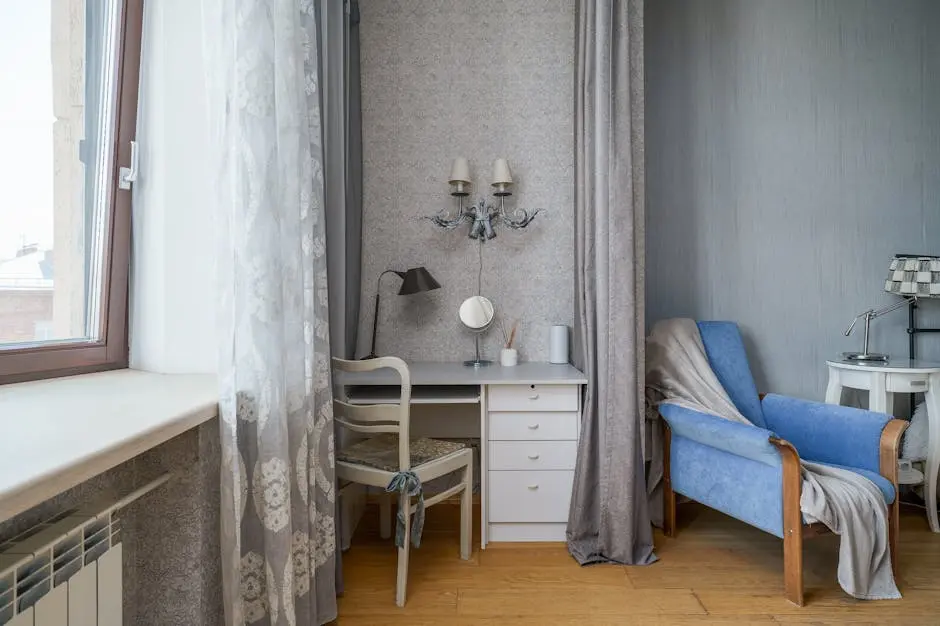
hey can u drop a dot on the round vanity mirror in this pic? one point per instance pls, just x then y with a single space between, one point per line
477 314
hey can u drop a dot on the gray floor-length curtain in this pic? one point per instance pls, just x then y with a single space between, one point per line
278 481
340 100
609 518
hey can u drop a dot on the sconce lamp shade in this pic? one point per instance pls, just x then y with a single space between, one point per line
460 171
416 280
914 276
501 173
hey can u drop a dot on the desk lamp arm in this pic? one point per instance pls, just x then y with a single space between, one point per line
871 314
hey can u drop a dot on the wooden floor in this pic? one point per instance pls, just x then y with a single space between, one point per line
717 570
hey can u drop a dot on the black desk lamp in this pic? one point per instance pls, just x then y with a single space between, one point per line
415 280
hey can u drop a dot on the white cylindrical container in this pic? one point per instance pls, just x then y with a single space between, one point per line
508 357
558 344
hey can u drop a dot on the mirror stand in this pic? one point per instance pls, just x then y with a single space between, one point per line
476 314
477 362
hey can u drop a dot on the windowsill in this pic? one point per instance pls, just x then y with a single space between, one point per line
56 434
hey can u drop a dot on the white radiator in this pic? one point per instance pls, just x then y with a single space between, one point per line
67 571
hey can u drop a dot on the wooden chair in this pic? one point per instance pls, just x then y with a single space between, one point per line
389 451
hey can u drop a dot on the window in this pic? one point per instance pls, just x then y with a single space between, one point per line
68 113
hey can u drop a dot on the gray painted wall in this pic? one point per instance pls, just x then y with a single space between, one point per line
482 79
792 148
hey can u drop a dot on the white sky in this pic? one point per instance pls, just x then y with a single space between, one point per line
25 124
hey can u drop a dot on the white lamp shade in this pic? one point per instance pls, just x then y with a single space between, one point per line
460 171
501 173
914 276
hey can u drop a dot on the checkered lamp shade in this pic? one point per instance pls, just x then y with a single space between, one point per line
914 276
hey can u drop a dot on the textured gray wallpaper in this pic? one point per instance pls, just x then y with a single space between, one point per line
172 567
481 79
792 148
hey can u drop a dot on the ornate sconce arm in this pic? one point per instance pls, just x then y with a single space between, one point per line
443 220
520 218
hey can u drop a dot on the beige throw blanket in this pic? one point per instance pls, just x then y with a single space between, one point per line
850 505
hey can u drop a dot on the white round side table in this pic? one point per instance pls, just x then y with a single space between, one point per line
882 381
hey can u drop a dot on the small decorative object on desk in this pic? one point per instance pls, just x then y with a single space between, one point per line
509 356
558 345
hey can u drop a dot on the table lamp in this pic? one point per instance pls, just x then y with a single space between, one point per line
415 280
911 277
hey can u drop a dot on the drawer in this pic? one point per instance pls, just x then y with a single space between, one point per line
533 426
533 397
906 383
529 496
532 455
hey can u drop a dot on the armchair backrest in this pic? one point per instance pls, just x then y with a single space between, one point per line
725 350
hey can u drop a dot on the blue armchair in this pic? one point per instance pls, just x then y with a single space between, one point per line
706 456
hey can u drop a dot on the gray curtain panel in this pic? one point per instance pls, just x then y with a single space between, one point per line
275 402
609 518
340 102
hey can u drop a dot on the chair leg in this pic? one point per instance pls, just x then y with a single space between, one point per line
669 510
669 496
385 516
402 581
792 483
793 566
466 512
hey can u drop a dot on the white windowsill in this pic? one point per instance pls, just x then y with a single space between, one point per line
56 434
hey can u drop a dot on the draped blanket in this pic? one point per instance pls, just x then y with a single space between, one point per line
850 505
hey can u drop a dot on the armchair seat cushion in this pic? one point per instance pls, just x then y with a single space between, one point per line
381 451
887 489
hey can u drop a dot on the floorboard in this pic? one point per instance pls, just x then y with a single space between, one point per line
717 570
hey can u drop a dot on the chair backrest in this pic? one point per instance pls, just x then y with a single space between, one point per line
725 350
388 417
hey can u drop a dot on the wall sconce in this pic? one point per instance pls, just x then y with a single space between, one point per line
482 217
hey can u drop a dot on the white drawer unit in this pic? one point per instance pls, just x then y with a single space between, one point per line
532 426
532 455
529 496
534 398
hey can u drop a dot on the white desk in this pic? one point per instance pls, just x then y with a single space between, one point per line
882 381
530 419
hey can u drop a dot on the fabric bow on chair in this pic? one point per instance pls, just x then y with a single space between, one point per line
408 484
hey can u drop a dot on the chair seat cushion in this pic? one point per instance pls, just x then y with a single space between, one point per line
887 489
381 452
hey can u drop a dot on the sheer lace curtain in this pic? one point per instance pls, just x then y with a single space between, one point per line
278 487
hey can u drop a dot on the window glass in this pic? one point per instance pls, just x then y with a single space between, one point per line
58 71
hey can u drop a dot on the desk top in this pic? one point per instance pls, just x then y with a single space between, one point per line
431 373
893 365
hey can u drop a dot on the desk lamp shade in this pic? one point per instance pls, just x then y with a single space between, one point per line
416 280
914 276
